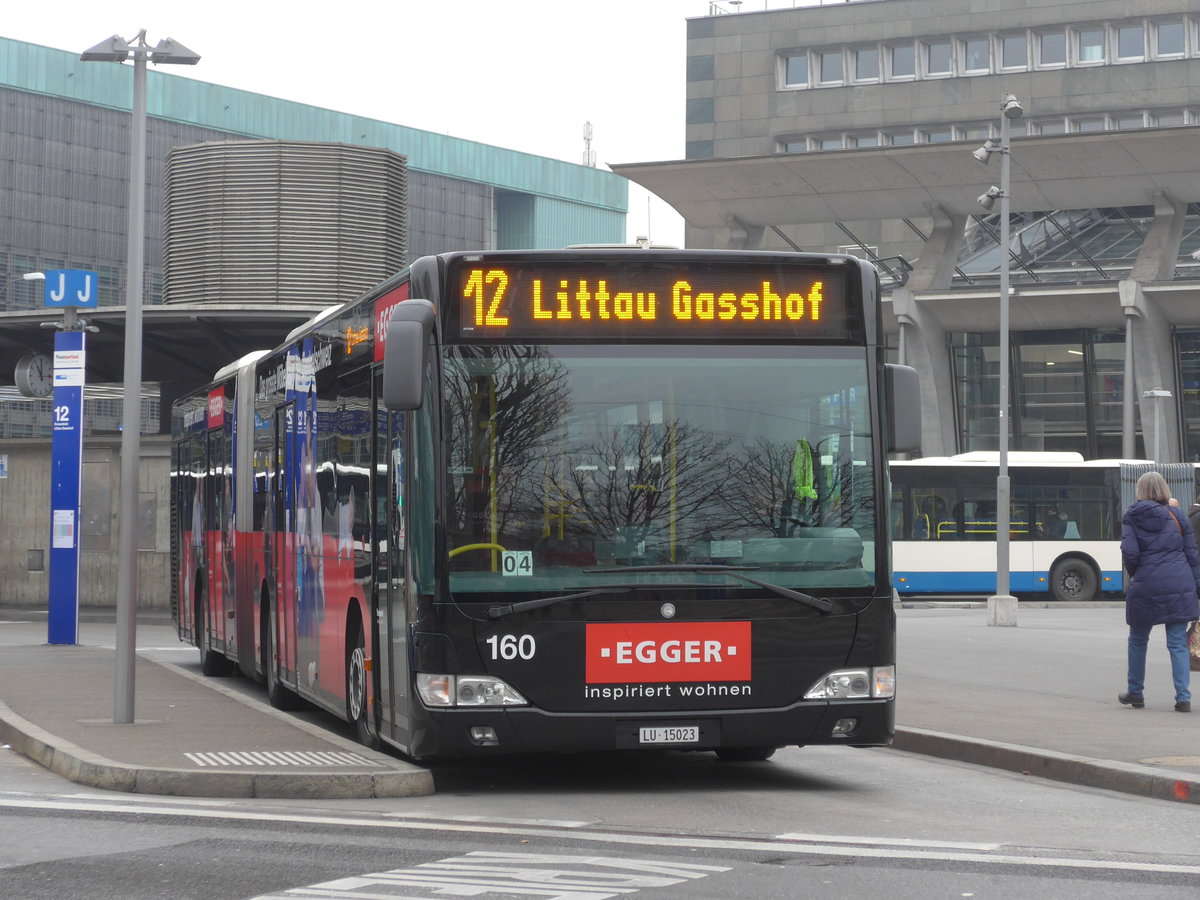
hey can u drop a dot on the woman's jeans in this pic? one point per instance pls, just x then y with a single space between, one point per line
1139 637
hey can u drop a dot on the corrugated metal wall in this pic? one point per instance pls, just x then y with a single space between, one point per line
282 221
528 220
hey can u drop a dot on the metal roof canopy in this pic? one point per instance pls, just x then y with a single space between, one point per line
1048 172
181 343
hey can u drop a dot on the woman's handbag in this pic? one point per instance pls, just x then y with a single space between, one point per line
1193 643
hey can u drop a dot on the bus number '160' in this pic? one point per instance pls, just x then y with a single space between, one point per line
511 646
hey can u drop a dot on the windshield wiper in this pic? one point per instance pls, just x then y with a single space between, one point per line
497 612
821 605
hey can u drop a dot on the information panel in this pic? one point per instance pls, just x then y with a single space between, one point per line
677 298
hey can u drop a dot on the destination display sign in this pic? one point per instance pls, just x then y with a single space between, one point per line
699 298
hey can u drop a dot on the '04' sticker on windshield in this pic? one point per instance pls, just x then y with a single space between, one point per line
516 562
667 651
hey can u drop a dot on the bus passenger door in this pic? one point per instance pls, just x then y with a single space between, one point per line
283 534
392 597
217 587
192 526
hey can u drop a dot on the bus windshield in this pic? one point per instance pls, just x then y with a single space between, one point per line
565 460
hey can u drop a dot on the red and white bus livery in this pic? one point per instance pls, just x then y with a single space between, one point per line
597 498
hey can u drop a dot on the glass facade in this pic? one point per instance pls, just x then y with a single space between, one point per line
1187 345
1066 391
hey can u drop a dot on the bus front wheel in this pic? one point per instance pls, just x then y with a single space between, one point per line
1073 579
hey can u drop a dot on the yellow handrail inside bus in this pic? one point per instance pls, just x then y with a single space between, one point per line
465 547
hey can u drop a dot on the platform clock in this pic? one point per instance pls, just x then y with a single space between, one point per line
34 375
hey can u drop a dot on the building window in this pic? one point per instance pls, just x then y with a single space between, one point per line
1096 124
795 70
937 135
898 138
1168 118
936 57
977 131
1052 387
1127 120
827 143
1048 126
975 57
1188 350
799 145
1089 45
1168 39
864 140
866 64
902 61
1131 42
1051 49
1014 52
830 67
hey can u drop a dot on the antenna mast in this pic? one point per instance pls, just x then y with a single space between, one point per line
589 155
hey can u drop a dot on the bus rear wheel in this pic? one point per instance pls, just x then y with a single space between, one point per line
1073 579
356 688
212 663
279 695
745 754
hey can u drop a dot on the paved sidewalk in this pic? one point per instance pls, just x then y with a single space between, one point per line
1039 698
192 736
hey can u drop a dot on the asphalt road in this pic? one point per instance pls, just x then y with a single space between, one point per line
818 822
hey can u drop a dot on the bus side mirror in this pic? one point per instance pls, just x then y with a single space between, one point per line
405 355
902 390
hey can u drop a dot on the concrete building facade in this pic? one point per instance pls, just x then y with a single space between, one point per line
851 127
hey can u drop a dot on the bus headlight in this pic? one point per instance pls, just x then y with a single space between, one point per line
875 682
466 690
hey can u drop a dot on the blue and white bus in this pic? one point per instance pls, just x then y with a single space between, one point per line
1065 522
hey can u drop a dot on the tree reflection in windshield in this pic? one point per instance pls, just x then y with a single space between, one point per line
562 460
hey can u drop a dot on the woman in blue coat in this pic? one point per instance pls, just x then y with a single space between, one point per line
1159 552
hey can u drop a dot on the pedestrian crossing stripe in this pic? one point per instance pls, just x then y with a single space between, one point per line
216 758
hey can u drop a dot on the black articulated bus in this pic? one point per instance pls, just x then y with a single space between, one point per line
589 499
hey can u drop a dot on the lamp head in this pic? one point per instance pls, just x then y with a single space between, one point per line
170 51
984 153
1011 107
988 200
113 49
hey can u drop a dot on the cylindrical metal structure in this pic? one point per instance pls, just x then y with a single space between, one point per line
131 405
282 221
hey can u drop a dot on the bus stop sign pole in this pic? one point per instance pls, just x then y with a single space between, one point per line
66 289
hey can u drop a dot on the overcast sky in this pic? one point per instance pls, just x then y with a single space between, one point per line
521 74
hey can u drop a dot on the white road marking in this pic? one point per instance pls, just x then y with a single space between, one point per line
879 849
492 820
887 842
275 758
552 876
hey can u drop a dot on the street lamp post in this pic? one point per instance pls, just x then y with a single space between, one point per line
1002 606
28 276
117 49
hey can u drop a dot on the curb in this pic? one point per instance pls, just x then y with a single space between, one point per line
1107 774
394 779
93 770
